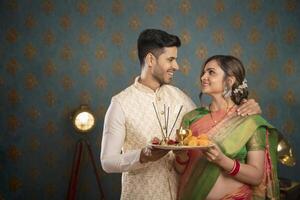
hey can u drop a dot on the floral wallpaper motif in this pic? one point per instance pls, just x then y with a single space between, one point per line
56 55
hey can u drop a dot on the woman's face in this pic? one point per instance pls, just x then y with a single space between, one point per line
212 80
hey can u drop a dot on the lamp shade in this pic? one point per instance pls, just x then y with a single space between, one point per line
83 119
285 152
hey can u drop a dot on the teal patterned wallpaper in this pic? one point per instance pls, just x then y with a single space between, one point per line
56 55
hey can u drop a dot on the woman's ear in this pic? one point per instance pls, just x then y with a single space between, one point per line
231 80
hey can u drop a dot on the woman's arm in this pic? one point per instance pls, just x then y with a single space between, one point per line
181 160
253 170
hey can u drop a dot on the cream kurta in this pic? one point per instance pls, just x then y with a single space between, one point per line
130 124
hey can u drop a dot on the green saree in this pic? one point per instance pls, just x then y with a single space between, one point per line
232 134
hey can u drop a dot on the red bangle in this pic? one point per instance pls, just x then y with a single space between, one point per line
182 162
235 169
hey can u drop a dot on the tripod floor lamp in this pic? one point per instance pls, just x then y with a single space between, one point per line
83 121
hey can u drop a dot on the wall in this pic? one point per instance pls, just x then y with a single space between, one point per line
56 55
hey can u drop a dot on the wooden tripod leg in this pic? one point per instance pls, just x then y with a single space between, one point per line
95 169
75 171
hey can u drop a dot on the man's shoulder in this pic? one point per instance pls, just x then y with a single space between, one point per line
124 93
175 89
171 87
180 96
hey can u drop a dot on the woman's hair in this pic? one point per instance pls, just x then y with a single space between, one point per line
153 41
231 66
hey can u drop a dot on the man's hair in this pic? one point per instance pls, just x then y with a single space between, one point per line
153 41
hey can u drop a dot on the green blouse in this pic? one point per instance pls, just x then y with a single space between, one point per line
256 142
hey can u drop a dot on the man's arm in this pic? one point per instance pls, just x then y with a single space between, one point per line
249 107
113 138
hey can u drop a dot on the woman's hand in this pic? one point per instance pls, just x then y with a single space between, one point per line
214 154
180 153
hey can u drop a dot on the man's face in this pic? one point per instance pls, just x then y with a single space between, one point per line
165 66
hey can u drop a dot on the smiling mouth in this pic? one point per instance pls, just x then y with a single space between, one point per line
171 74
204 84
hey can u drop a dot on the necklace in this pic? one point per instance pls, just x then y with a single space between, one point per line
214 120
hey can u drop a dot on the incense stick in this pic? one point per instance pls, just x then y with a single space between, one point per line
166 132
158 121
167 120
175 120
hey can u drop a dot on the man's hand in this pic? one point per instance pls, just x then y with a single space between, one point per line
152 154
248 107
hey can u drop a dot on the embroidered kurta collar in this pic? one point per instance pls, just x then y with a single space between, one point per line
145 88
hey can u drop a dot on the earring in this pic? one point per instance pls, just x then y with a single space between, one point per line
226 92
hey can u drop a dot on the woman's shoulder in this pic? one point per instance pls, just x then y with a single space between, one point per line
197 111
259 120
193 115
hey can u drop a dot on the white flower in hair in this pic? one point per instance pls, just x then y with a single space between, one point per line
240 88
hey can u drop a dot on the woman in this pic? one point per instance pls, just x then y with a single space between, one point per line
242 163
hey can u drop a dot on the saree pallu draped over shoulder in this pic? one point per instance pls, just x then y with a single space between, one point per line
231 135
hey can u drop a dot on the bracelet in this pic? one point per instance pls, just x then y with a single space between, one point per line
182 162
235 169
232 169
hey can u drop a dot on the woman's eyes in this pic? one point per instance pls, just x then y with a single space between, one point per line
211 72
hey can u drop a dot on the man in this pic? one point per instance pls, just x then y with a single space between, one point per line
131 121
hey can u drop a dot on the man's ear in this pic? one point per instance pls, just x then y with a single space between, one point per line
150 59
